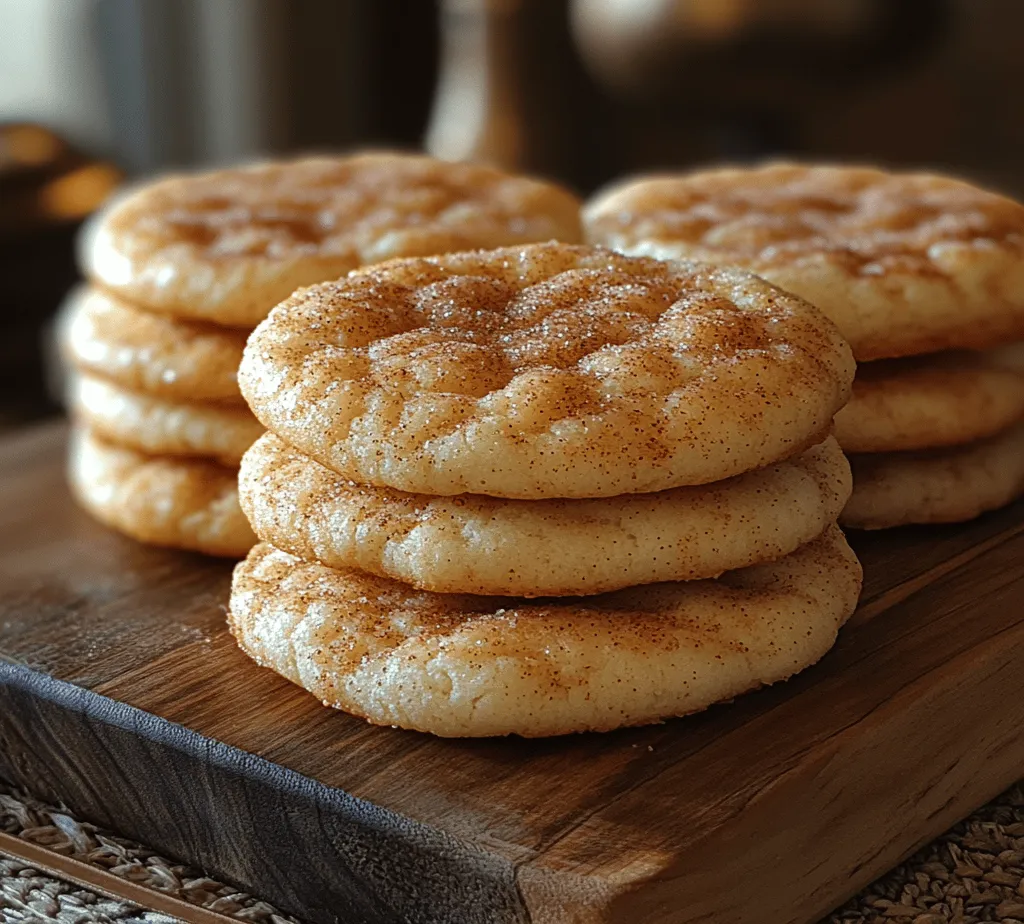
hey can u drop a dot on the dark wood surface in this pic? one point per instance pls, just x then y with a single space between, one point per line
122 693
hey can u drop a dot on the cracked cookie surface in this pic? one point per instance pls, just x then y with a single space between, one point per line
545 371
459 665
227 246
903 263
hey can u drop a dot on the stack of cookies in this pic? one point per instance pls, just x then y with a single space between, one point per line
542 489
160 423
923 274
180 272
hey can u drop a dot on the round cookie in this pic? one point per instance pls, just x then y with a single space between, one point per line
927 402
485 545
545 371
942 486
181 360
903 263
181 503
459 665
161 427
227 246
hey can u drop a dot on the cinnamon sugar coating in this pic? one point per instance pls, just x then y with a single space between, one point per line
227 246
181 503
903 263
545 370
458 665
485 545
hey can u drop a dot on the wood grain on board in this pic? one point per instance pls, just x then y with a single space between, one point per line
122 693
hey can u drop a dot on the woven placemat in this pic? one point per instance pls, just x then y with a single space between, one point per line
28 896
973 873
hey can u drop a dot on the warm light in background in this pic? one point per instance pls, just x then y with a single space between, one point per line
78 193
28 146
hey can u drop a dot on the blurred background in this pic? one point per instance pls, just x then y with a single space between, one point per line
96 91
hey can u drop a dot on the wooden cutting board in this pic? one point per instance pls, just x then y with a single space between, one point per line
122 694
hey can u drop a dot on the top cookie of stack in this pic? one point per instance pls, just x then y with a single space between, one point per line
921 273
547 420
227 246
183 268
548 371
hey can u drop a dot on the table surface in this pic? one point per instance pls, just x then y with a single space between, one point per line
937 630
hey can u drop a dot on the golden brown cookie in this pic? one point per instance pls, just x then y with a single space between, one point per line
926 402
903 263
486 545
185 361
545 371
458 665
227 246
941 486
161 427
181 503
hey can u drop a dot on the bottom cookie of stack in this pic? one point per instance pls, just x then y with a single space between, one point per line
936 486
934 439
463 665
184 503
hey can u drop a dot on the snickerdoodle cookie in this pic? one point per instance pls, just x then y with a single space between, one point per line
459 665
926 402
486 545
227 246
105 336
903 263
181 503
160 426
936 486
545 371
